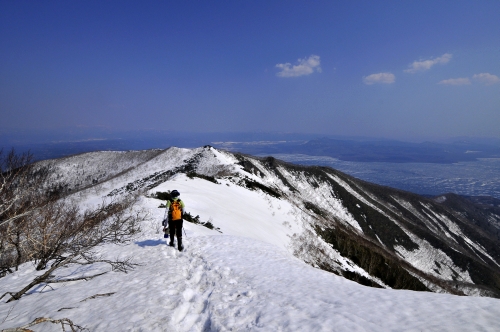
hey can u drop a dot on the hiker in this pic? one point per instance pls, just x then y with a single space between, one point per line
175 207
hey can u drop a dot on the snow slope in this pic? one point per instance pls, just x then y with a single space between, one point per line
243 279
404 226
233 282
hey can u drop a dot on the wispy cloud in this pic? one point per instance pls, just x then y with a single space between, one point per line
486 78
303 67
379 78
423 65
456 81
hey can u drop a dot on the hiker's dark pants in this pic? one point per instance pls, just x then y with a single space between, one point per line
175 227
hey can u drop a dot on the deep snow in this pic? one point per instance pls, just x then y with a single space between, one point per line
243 279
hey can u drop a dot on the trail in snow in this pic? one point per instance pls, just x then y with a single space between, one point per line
262 288
225 282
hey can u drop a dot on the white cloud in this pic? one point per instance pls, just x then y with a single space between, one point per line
379 78
486 78
304 66
456 81
417 66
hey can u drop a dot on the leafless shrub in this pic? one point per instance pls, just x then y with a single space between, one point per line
37 225
60 236
155 226
22 186
225 170
23 191
217 171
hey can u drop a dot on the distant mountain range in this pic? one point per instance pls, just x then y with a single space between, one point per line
47 145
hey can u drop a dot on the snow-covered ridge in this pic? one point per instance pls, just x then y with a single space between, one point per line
87 169
279 226
316 197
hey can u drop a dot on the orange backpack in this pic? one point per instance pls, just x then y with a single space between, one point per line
176 209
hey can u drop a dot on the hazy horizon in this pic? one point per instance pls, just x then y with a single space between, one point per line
9 136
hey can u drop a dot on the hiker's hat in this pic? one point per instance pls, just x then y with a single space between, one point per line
174 193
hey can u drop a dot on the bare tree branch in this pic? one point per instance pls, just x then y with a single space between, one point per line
7 293
66 308
37 280
97 295
54 281
62 321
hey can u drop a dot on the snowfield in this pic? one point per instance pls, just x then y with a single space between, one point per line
241 278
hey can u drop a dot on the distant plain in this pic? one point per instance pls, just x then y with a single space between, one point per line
470 178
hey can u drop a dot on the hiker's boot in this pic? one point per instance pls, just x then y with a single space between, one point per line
179 244
171 242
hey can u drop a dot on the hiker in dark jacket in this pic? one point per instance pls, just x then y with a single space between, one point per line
175 207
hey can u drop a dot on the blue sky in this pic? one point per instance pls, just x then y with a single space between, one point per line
392 69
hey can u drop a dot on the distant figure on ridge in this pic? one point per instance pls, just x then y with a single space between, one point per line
173 220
